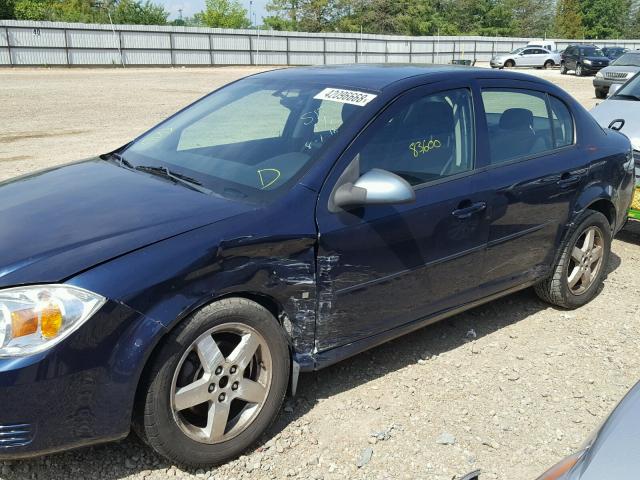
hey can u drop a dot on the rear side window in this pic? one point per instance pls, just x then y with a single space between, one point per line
562 122
518 122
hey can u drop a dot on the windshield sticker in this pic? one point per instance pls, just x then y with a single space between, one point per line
420 148
271 177
352 97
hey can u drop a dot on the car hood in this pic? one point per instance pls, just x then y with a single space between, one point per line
615 452
629 110
56 223
621 69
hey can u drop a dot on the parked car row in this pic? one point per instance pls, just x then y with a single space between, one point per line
581 59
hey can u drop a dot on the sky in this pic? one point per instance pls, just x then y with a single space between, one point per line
189 7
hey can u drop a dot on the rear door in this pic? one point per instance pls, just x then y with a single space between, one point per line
381 266
532 177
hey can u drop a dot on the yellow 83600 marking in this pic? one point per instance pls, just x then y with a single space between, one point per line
424 146
266 182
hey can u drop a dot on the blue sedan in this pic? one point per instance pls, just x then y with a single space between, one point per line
178 285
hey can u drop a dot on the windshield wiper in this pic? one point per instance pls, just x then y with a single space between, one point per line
176 177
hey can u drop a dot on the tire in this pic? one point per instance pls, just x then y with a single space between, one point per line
563 68
579 71
549 64
557 289
184 432
601 93
509 64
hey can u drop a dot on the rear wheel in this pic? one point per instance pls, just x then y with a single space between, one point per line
549 64
216 384
563 68
579 71
581 268
509 64
601 93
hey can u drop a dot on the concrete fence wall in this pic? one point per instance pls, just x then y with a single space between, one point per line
24 43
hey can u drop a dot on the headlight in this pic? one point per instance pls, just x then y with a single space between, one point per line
599 75
587 61
34 318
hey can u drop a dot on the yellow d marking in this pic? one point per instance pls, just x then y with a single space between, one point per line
274 180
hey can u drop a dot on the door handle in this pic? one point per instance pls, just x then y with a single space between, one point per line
567 180
467 212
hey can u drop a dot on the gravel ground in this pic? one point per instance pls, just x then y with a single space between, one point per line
508 388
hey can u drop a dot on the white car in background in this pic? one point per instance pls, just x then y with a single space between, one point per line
528 56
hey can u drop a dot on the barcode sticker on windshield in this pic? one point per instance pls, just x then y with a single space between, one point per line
351 97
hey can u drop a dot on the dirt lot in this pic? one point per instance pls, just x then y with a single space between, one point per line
508 388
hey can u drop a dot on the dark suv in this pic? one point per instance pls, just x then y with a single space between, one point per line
583 60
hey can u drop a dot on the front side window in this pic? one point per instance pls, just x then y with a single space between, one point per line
423 140
250 140
518 123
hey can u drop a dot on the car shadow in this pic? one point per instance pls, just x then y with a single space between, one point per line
630 233
131 456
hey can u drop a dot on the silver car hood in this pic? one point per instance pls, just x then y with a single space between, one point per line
621 68
615 452
629 110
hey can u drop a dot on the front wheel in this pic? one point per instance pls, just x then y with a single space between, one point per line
549 64
563 68
579 71
581 268
215 385
509 64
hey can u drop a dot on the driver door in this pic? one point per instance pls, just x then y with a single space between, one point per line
527 58
382 266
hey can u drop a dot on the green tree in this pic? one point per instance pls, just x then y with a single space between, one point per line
284 14
605 18
6 10
568 21
132 12
223 14
33 10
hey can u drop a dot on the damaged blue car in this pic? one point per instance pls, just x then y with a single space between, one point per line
291 219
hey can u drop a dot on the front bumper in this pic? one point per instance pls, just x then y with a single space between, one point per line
602 83
78 393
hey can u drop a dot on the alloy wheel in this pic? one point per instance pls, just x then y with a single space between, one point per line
221 383
586 260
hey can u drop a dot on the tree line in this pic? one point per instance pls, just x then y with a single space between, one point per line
588 19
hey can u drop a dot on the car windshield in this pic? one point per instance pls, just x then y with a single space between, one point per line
517 50
591 52
628 60
630 90
250 140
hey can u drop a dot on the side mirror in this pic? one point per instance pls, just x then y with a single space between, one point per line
376 187
613 89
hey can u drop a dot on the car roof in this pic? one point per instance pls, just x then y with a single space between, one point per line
379 76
